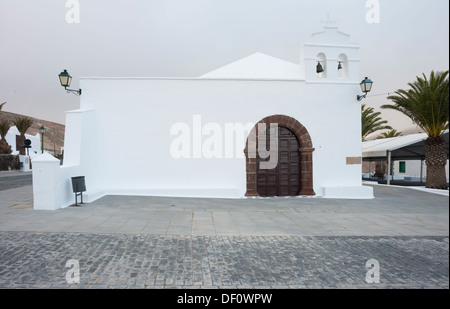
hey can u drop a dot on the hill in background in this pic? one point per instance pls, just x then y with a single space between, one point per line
54 134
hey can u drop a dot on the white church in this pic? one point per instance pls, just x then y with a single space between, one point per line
258 127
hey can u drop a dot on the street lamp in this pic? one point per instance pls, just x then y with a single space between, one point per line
366 86
42 130
65 79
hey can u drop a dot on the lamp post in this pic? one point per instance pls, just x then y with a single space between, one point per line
65 79
366 86
42 130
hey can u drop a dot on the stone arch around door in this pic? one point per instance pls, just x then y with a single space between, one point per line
305 151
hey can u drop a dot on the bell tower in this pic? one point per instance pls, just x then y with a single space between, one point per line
329 56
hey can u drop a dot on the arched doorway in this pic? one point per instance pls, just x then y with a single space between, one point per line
293 175
284 179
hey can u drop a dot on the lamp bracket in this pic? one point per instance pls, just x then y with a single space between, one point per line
360 97
77 92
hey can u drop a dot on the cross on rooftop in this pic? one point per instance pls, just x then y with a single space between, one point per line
328 21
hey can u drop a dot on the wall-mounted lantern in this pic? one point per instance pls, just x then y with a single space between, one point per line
65 80
366 86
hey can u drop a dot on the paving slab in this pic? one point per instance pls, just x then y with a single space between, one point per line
163 242
394 212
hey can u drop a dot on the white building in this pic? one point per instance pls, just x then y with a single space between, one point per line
35 142
30 153
413 170
199 137
407 154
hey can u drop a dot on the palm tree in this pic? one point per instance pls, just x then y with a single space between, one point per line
389 134
22 124
427 104
371 121
4 128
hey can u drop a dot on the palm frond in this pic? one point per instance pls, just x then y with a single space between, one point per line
22 124
426 103
371 121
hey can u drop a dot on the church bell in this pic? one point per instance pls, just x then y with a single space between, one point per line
319 68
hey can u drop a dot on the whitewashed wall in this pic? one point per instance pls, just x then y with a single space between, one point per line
127 140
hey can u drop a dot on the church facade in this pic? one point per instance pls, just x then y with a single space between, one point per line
258 127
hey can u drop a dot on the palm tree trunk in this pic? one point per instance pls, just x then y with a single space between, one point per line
436 159
20 143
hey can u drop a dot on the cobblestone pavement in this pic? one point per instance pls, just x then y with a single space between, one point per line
42 260
155 242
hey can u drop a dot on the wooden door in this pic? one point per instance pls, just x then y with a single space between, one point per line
284 179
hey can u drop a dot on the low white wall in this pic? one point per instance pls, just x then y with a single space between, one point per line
52 183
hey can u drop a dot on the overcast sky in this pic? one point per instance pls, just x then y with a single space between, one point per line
187 38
